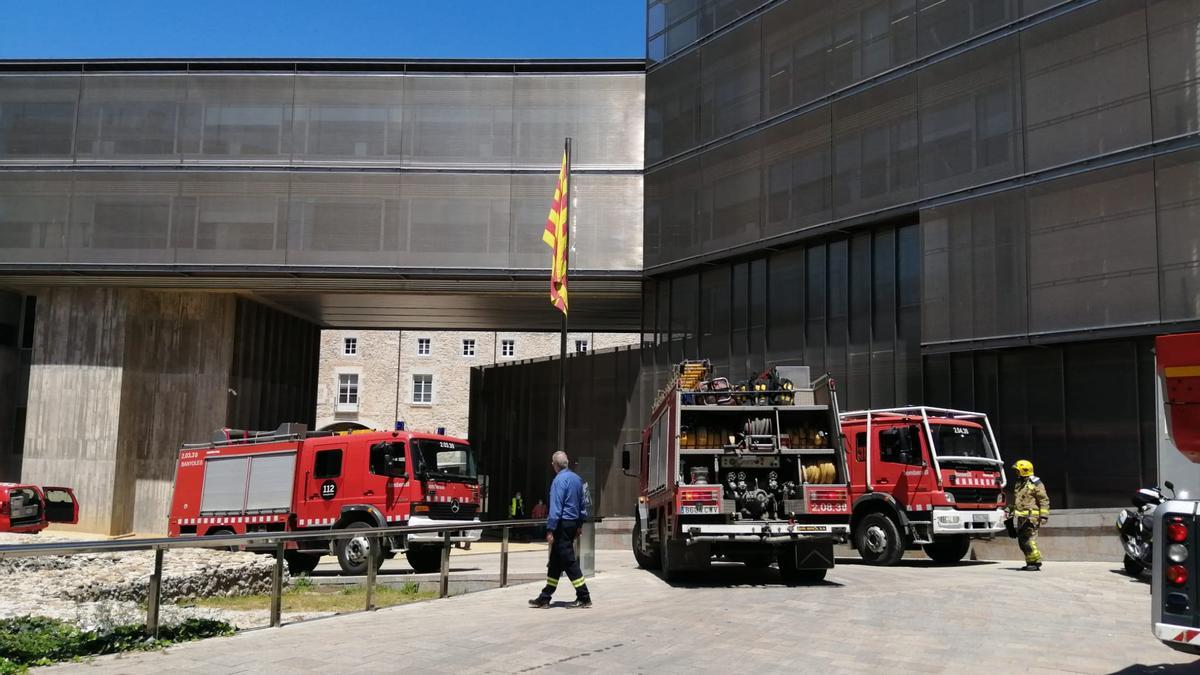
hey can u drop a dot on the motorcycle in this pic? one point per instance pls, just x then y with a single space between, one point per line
1136 528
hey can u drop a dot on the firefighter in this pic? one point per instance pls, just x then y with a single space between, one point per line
516 508
568 511
1029 509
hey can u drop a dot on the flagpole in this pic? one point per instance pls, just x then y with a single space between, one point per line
562 339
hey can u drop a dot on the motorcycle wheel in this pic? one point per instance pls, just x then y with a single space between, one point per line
1133 566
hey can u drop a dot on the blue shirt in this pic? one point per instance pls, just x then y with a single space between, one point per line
566 499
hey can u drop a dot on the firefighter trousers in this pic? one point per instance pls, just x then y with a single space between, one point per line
562 559
1027 540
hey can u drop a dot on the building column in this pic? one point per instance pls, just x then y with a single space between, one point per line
122 377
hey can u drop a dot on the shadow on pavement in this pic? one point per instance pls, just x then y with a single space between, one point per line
736 575
1140 579
1160 669
921 562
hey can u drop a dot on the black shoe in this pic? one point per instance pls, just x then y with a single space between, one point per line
581 603
539 602
1032 567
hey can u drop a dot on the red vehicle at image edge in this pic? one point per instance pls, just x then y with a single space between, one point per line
29 509
290 480
1175 585
922 477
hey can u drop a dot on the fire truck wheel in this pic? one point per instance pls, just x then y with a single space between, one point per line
223 530
424 559
300 563
878 540
647 557
352 552
948 550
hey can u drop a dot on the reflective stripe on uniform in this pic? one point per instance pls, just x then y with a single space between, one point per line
578 582
551 582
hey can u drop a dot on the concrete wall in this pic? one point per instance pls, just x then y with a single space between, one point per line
121 378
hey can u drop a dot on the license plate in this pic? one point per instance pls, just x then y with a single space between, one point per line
981 517
697 509
827 507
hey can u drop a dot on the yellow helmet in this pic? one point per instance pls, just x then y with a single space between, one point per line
1024 468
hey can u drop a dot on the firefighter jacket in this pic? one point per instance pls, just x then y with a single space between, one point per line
1030 499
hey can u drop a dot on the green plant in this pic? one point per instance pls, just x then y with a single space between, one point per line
411 588
37 641
302 583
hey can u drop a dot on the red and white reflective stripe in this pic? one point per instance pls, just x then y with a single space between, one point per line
921 507
973 481
1186 636
230 520
317 522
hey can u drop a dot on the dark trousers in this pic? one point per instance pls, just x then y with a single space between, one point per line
562 559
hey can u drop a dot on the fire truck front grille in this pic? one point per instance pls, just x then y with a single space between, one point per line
443 511
974 495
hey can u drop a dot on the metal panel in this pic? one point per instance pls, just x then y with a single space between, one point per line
869 37
272 478
224 218
603 115
224 484
345 219
124 216
1174 66
673 108
1178 184
130 116
941 24
354 119
34 208
796 173
875 148
730 201
238 118
458 220
1086 83
797 38
1092 250
458 121
37 117
730 81
970 112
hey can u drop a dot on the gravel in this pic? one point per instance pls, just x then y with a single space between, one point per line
106 589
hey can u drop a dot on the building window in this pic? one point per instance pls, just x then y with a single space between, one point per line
468 347
347 391
581 346
350 346
422 389
508 348
423 347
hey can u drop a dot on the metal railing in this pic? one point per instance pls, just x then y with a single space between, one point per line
278 541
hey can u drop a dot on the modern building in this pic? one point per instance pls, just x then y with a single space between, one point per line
985 204
175 234
373 379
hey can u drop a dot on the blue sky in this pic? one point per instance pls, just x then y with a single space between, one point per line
70 29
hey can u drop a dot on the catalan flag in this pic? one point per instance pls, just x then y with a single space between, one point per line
556 238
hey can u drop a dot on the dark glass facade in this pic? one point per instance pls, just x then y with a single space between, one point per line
984 204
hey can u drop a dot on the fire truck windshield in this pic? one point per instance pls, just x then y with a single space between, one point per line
445 459
961 441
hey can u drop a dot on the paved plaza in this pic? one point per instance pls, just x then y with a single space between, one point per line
983 617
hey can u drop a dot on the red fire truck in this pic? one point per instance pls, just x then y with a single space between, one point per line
1175 603
30 509
291 480
922 477
752 474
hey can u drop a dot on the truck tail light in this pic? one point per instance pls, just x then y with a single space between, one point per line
1177 575
1177 531
420 508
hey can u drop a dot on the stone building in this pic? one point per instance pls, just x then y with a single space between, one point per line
374 378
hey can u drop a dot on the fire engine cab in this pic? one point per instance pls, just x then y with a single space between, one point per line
29 509
291 480
922 477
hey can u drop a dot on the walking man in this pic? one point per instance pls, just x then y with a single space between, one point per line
567 514
1030 510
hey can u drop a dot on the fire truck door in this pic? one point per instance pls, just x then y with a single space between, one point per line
325 491
901 467
384 484
61 505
